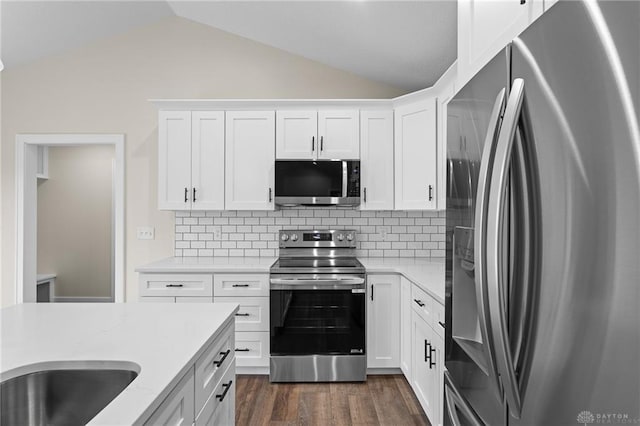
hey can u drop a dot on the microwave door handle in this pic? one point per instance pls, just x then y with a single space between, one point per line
345 176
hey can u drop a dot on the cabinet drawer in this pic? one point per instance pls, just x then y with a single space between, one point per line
177 408
176 285
211 366
252 348
253 314
219 409
241 285
421 303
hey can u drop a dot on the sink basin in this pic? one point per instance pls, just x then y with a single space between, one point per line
60 397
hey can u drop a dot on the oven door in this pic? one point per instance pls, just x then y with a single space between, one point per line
317 315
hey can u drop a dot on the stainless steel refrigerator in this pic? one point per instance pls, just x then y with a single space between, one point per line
543 226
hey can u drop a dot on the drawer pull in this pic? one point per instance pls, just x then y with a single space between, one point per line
243 350
243 314
240 285
175 285
221 360
226 387
419 302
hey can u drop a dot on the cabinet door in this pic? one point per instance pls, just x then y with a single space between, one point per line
383 321
405 327
486 27
207 160
376 160
296 135
174 160
422 375
339 135
250 157
437 381
178 408
416 156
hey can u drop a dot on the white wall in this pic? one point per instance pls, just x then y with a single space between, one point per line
104 88
75 211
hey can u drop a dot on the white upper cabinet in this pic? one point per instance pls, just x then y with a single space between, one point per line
416 156
191 160
376 160
339 135
250 157
207 160
296 134
174 155
312 135
487 26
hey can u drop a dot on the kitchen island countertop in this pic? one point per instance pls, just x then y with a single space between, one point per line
161 341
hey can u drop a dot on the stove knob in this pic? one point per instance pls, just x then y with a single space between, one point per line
284 237
349 237
340 237
294 237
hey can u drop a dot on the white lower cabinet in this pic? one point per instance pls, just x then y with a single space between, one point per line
405 327
206 393
178 408
253 314
383 321
250 291
427 365
219 409
252 348
178 285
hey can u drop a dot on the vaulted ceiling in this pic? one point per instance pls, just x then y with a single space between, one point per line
407 44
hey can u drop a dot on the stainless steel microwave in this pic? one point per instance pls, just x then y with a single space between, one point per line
317 182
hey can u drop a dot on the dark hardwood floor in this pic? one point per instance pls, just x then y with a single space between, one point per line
381 400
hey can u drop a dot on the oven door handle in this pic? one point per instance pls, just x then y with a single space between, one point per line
311 284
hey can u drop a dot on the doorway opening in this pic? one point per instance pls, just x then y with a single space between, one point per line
70 218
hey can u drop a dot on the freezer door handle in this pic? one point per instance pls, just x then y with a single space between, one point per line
516 116
486 164
455 403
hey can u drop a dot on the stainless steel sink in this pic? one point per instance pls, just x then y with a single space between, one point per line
60 397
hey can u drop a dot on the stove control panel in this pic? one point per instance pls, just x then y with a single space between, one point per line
330 238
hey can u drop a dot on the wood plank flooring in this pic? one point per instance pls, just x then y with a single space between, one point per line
381 400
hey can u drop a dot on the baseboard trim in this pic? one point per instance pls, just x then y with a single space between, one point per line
265 370
253 370
81 299
392 370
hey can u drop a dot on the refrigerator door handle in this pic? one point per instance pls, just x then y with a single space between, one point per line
515 114
486 164
455 403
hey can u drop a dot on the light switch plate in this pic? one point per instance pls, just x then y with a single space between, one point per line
145 233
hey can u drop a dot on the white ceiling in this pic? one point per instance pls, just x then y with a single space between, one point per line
407 44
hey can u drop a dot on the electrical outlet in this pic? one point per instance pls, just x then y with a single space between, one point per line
383 231
145 233
217 232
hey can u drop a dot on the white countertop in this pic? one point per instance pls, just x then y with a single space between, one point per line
44 277
426 272
162 340
209 264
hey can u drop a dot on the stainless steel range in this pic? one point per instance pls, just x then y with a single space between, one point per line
317 308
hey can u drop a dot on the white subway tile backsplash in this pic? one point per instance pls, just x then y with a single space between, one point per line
255 233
